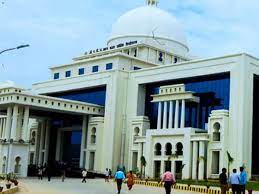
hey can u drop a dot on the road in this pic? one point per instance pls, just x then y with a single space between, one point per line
74 186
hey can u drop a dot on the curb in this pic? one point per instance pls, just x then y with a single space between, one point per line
184 187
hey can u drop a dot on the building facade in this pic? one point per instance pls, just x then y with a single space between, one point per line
141 95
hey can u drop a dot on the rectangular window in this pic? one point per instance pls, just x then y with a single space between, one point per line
95 69
108 66
81 71
56 75
68 73
135 160
157 169
136 68
215 162
91 161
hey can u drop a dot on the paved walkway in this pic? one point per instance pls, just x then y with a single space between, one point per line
74 186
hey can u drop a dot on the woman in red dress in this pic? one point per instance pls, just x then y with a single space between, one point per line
130 181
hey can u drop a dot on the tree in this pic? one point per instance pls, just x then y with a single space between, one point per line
181 170
143 163
230 161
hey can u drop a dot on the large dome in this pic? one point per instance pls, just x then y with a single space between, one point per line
149 24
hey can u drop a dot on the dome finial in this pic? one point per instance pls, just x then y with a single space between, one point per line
152 2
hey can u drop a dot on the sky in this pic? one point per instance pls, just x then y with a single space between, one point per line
58 30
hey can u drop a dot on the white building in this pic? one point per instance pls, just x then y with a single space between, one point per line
142 95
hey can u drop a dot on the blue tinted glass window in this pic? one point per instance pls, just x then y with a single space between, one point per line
76 137
95 68
81 71
56 75
136 68
108 66
68 73
213 91
94 95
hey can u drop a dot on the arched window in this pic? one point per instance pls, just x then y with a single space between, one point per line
93 135
4 165
136 131
216 131
168 149
158 148
17 166
179 149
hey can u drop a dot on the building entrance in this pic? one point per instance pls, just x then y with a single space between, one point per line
71 148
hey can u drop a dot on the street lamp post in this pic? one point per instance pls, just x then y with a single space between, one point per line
8 148
18 47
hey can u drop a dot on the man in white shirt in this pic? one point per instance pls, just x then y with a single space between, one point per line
234 181
107 175
84 175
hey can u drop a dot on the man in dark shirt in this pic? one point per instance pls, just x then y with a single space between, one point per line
223 179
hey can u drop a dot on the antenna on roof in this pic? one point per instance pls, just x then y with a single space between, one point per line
152 2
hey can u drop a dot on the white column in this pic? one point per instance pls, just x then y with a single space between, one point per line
165 116
37 143
1 127
83 141
194 159
183 114
8 123
173 166
41 142
14 122
46 155
4 126
176 115
170 122
162 167
19 124
25 127
201 160
159 115
58 146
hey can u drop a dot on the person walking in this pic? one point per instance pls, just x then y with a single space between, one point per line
107 175
130 181
223 180
242 181
49 172
119 177
234 182
84 174
40 172
169 180
110 173
63 175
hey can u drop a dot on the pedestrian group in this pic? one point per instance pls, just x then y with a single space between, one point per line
237 181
